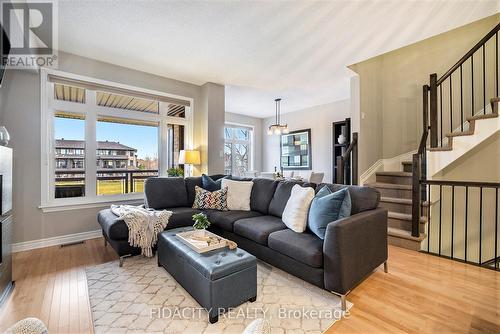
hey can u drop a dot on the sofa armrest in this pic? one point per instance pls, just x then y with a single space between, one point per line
353 248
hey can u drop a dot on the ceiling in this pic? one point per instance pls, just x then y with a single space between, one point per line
297 50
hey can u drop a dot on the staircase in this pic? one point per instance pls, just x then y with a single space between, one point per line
480 127
396 196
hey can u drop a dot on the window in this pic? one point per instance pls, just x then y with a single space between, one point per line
106 139
237 150
127 143
69 133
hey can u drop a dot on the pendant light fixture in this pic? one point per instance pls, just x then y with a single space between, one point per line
278 128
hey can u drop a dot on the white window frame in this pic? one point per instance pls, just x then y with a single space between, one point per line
92 111
233 141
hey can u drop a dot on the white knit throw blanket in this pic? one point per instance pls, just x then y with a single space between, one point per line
143 225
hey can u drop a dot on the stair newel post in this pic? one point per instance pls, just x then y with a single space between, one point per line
423 158
433 110
340 170
415 196
354 159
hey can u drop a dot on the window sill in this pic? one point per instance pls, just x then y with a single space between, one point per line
86 203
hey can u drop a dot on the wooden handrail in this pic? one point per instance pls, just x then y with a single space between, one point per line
469 54
462 183
352 149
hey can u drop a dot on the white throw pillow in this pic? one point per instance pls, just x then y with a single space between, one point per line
297 208
238 194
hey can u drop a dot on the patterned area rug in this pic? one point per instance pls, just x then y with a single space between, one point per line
142 297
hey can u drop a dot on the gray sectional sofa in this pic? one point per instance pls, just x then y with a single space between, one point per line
353 247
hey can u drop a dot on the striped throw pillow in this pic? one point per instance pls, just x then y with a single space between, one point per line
216 200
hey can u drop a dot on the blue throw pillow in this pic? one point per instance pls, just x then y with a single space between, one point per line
209 184
327 207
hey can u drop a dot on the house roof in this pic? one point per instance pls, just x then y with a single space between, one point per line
101 145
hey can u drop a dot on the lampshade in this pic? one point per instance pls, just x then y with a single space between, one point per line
189 157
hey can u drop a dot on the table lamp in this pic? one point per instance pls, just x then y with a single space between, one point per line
190 158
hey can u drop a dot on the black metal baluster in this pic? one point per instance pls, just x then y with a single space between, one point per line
484 82
472 83
461 101
466 218
441 111
480 223
440 220
496 226
452 217
496 61
451 106
429 218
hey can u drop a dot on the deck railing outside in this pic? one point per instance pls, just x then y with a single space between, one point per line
109 182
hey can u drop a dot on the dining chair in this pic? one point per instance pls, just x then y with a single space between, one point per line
316 178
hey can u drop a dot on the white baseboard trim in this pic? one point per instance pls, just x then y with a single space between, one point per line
376 167
55 241
389 164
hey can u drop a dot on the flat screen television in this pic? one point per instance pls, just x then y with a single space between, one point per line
4 52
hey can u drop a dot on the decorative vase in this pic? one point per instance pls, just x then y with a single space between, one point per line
4 136
341 139
199 232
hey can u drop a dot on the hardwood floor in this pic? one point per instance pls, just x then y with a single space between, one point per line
420 294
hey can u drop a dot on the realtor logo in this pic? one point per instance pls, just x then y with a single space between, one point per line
30 28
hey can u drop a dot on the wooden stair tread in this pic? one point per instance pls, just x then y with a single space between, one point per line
459 134
404 216
398 233
389 185
406 201
440 149
407 163
400 174
482 116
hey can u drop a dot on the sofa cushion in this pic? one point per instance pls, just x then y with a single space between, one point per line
165 192
210 184
192 182
328 207
238 194
226 219
258 228
181 217
205 199
362 198
296 209
262 193
281 195
117 229
303 247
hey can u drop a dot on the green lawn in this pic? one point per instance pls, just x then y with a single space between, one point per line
108 187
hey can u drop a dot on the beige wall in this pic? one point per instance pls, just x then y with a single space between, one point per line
213 108
391 89
319 119
20 112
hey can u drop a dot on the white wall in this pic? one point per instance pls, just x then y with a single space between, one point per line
319 119
256 123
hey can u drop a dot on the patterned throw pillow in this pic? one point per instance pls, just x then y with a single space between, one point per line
216 200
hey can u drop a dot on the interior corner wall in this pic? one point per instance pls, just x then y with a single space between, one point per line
20 102
213 108
256 124
319 119
391 89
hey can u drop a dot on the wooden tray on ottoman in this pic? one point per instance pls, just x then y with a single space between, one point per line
202 241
